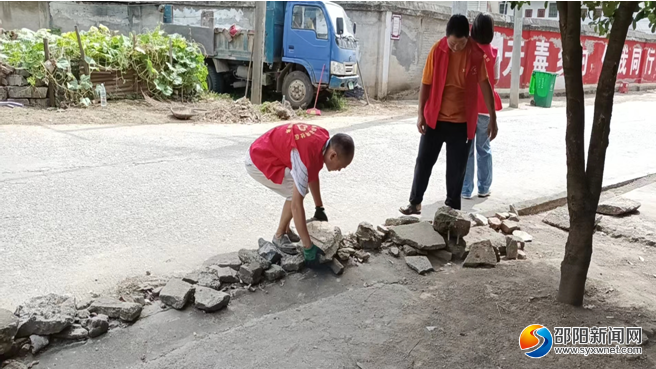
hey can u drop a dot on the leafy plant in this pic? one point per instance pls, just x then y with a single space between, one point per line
170 65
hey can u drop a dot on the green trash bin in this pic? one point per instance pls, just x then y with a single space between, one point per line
542 87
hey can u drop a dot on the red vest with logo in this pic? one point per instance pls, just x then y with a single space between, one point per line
271 153
440 68
490 59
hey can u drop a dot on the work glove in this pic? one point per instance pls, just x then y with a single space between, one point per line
312 256
320 214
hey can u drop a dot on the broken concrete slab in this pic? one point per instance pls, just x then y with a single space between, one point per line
408 250
521 255
336 267
176 293
362 255
224 261
481 254
45 315
634 229
443 255
38 343
274 273
513 209
502 215
269 251
419 264
525 237
293 263
73 333
617 206
479 219
509 226
514 217
478 234
251 273
209 278
420 235
512 248
394 251
559 218
345 253
368 237
450 222
457 248
192 277
252 257
494 223
97 325
402 220
83 303
226 274
8 329
383 229
210 300
113 308
326 237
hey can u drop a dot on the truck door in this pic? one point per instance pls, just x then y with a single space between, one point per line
307 39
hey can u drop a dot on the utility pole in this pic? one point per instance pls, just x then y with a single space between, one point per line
258 51
516 57
459 7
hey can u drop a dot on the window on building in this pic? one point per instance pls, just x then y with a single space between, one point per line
553 10
502 8
310 18
541 13
528 13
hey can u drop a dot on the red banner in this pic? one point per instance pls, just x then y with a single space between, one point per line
541 50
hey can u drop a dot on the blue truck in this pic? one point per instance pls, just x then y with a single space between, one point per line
301 39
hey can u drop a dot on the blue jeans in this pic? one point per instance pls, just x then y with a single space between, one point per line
483 160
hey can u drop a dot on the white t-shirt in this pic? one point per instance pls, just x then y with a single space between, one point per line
299 173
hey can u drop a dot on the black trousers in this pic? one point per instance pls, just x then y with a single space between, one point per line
457 153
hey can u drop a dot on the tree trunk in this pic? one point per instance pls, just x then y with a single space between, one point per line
584 187
578 250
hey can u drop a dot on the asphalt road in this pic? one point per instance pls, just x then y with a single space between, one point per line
84 206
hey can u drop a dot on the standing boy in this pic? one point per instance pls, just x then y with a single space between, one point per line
448 110
287 160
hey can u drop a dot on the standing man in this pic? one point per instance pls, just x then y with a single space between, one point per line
482 32
448 111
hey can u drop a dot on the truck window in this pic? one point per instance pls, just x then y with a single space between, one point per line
310 18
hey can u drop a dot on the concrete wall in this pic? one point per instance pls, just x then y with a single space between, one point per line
124 18
24 14
65 15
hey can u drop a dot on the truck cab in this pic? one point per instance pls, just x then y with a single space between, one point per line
303 39
318 38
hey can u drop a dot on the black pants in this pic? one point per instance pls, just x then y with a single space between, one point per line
457 153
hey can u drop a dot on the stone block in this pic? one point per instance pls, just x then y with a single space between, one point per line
45 315
326 237
176 293
113 308
419 264
420 236
481 254
210 300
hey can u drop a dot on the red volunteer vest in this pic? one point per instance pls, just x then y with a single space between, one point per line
490 59
271 153
440 67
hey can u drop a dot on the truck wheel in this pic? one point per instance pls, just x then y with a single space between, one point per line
216 81
298 89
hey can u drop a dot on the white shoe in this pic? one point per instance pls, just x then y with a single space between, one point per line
467 197
485 194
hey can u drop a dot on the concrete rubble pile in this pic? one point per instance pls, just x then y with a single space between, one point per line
455 236
14 87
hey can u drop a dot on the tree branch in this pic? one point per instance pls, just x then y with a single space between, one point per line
604 99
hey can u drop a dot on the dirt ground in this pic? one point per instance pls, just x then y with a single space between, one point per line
216 111
376 315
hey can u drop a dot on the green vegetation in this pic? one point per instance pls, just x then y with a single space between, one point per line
169 65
